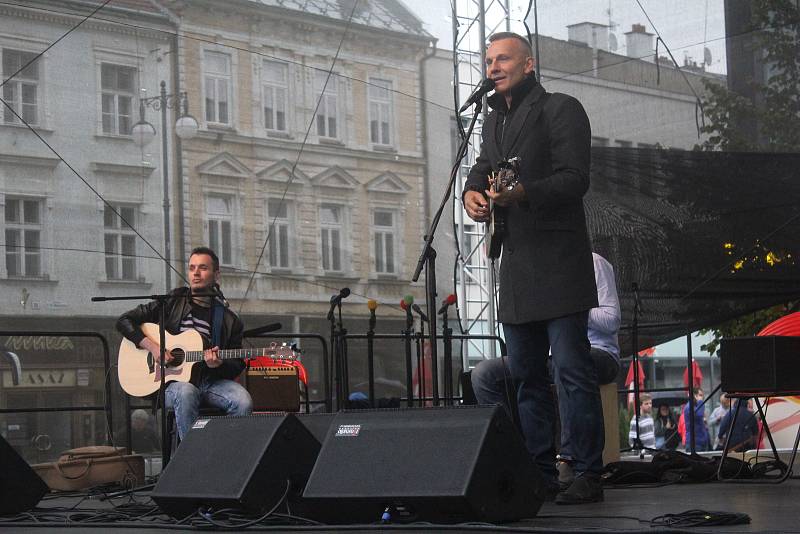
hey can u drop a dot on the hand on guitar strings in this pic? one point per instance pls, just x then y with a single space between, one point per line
476 205
153 348
211 356
505 197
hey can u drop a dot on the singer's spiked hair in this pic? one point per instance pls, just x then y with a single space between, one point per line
511 35
207 250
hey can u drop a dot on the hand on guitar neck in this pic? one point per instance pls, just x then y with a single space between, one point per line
211 356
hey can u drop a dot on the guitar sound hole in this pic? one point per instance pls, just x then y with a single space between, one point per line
177 357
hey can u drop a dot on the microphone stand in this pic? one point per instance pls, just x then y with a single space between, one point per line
637 442
447 334
342 352
161 299
407 334
420 343
427 258
371 359
338 354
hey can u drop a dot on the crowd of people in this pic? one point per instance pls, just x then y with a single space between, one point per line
668 430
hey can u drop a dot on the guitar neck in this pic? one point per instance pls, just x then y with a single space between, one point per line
228 354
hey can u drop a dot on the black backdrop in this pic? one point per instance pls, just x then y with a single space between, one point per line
677 222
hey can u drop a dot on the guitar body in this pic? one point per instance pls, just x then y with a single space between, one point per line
139 372
496 229
506 178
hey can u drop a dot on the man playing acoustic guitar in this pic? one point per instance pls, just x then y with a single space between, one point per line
547 284
195 308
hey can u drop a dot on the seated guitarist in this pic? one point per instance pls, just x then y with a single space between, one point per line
191 308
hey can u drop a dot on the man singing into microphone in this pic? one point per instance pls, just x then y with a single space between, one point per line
197 307
547 284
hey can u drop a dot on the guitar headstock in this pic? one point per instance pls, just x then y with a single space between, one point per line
508 176
283 351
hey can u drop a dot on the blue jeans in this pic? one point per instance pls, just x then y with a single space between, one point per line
575 376
491 383
185 399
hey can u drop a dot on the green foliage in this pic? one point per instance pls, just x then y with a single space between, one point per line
624 426
776 113
746 325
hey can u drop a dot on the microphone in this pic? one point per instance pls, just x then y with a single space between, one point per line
372 305
343 294
484 87
446 303
337 299
422 315
262 329
217 292
406 303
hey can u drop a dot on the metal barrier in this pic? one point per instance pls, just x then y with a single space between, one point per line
106 374
419 338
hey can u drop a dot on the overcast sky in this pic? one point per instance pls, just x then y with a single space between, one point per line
687 26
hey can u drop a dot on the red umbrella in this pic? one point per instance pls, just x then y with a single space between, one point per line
788 325
698 375
647 352
629 377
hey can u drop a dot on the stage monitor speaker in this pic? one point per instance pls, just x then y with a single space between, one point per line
444 465
237 462
20 487
760 364
317 423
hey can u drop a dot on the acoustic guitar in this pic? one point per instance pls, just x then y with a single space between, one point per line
505 179
140 373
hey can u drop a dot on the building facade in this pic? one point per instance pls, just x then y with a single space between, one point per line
74 193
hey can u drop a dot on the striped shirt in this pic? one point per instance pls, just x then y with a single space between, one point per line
646 431
199 318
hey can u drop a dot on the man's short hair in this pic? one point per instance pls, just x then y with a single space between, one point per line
511 35
206 250
140 415
644 397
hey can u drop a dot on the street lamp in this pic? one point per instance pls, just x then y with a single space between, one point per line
143 133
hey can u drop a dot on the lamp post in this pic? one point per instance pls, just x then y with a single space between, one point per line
143 133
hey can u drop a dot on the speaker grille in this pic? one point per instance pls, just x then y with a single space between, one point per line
236 462
436 464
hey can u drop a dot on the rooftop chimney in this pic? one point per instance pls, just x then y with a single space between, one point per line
589 33
639 43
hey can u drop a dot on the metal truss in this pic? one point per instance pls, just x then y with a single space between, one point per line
473 22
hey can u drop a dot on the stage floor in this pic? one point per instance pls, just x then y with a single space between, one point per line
772 508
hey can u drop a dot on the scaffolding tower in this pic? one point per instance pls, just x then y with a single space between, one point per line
473 22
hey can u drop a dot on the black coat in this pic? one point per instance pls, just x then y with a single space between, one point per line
177 308
546 269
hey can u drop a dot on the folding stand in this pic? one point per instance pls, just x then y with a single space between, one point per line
743 397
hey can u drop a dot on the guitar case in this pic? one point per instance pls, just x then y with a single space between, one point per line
87 467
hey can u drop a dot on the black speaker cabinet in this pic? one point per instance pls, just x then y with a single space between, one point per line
319 424
761 364
20 487
237 462
429 464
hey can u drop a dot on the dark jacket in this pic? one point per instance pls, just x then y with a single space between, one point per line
546 269
177 308
744 432
670 435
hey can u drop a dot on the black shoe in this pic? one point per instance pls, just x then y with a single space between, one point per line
586 489
550 490
565 474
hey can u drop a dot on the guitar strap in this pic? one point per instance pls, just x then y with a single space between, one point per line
217 311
